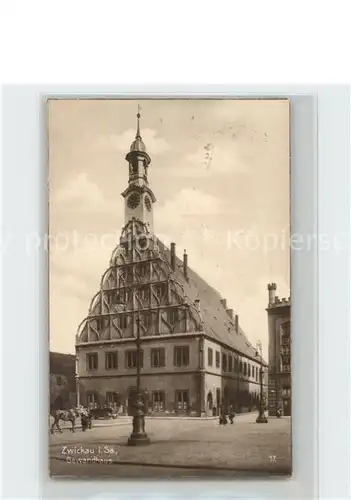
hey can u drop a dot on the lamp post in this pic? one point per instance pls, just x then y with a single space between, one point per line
261 419
138 436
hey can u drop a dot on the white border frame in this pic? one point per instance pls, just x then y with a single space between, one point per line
320 281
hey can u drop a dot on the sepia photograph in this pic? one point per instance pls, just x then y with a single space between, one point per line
169 288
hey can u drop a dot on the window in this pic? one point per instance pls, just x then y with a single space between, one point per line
224 362
240 367
160 290
218 360
182 400
245 368
110 298
129 274
143 270
131 359
286 368
256 373
210 356
122 321
111 359
92 398
112 399
158 401
144 293
236 365
142 242
92 361
59 380
158 357
249 369
230 363
146 319
181 356
173 316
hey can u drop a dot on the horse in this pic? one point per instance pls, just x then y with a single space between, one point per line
65 416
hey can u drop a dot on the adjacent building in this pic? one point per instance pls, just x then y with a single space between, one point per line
279 362
194 354
62 381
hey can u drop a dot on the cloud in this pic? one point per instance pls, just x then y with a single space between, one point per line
212 159
80 194
154 145
190 203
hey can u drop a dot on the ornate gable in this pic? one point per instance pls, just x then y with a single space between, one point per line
138 282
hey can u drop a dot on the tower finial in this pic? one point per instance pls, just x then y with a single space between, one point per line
138 136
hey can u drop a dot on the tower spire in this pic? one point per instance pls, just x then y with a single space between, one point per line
138 136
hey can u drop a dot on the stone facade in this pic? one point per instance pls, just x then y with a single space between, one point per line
279 375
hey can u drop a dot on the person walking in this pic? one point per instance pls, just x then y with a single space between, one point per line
222 416
231 414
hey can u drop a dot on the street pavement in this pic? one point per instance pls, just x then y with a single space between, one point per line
179 448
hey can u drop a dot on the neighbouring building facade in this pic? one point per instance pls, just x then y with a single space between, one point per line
194 354
279 362
62 381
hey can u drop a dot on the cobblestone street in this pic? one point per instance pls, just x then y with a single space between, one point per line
179 447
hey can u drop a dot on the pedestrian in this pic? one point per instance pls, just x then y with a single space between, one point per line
85 418
222 416
231 414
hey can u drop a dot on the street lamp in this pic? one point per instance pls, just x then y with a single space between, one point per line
261 419
138 436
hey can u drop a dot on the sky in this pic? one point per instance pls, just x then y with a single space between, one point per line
220 174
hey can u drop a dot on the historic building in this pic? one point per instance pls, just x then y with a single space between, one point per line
194 355
62 381
279 362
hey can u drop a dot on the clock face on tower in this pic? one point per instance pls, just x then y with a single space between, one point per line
147 203
133 200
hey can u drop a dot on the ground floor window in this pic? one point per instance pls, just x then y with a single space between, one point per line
112 399
158 401
182 400
92 398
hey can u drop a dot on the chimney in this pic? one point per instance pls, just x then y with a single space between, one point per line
230 313
237 323
224 303
173 257
185 265
197 304
272 287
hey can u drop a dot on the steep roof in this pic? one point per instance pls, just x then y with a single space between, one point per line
217 323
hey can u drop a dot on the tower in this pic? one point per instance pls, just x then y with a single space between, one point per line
138 196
